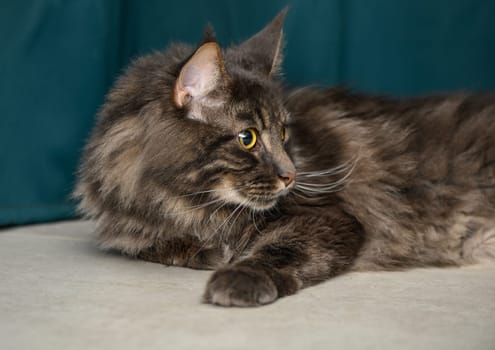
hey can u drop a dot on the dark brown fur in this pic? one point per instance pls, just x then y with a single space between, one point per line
381 183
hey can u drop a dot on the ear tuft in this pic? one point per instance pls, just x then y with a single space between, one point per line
265 47
209 34
201 74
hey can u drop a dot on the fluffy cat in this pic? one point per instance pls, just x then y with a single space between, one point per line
200 159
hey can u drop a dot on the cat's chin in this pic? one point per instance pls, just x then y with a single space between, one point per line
256 204
260 202
262 205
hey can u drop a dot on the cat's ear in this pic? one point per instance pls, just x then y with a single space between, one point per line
265 47
202 73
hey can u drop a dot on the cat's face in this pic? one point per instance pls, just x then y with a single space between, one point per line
231 144
252 167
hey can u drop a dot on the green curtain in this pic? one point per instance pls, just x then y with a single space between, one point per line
58 58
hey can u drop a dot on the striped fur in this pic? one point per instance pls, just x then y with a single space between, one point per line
380 184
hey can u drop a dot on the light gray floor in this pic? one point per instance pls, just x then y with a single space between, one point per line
58 292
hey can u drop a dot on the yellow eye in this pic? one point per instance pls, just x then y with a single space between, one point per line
283 134
247 138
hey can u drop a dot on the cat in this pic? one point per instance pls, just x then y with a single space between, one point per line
200 158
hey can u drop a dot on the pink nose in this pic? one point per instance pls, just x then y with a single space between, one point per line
287 178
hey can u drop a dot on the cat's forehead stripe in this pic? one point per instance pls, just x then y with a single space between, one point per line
260 113
267 117
255 118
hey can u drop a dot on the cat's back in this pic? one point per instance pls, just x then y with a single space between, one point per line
442 136
424 167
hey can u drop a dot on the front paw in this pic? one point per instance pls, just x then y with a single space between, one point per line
240 286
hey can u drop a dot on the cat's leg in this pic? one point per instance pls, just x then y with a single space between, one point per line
185 251
292 253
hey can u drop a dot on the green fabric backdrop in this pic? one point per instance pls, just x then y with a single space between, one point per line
58 58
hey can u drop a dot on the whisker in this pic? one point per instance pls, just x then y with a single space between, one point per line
341 168
300 194
308 188
214 234
228 218
325 188
317 185
188 210
253 215
211 191
212 215
234 220
196 193
325 172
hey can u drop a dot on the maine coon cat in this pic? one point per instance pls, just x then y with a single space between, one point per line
199 158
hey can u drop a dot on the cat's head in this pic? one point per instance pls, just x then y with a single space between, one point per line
231 101
204 125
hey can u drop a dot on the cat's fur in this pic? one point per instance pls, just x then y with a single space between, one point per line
380 183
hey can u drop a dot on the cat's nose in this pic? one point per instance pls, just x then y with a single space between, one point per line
287 177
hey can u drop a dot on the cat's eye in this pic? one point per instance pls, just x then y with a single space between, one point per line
283 134
247 138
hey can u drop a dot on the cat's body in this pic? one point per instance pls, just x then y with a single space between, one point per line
422 181
191 165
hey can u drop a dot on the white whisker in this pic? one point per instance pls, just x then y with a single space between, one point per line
214 234
190 209
253 215
331 171
210 191
309 188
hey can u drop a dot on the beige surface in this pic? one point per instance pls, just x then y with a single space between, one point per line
58 292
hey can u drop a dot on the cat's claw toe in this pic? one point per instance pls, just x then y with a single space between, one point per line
235 286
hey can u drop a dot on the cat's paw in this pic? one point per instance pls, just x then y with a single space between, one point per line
240 286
